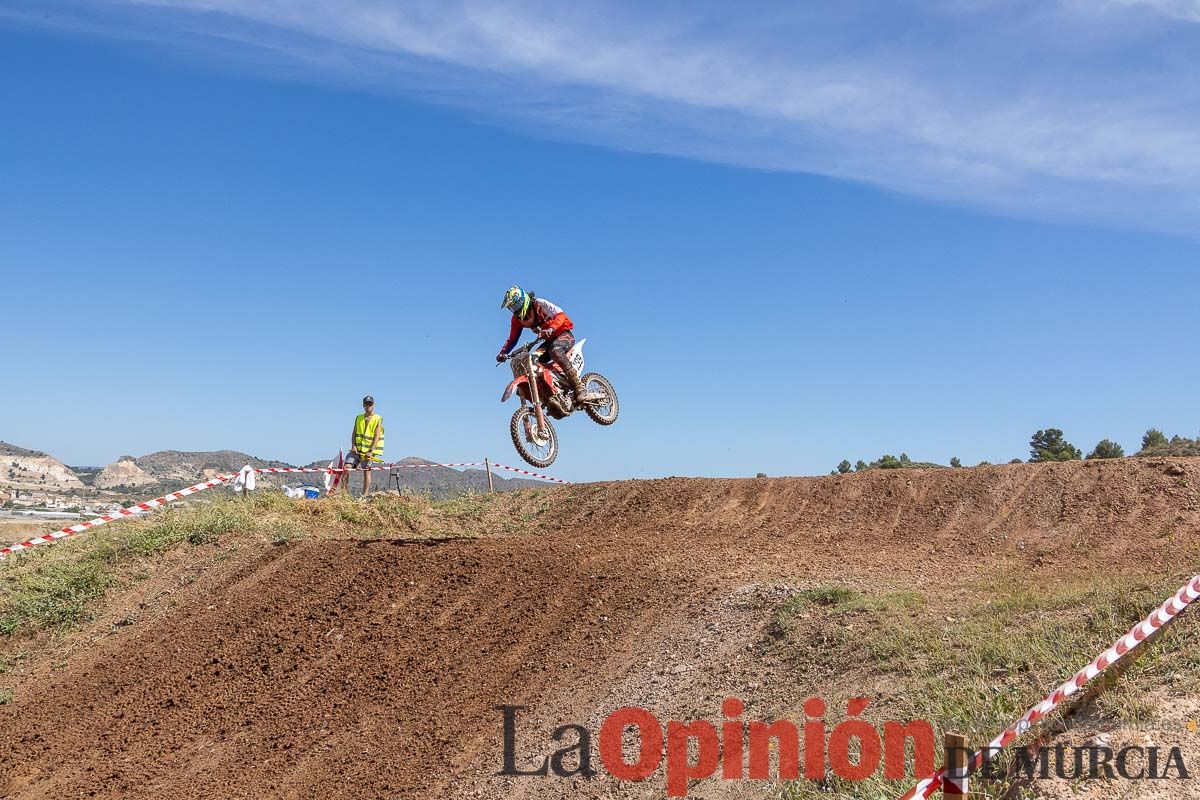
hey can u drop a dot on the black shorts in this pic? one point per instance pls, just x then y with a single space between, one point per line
354 460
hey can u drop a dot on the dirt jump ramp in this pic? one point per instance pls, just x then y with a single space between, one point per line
350 669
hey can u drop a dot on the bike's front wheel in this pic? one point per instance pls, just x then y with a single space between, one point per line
537 445
603 411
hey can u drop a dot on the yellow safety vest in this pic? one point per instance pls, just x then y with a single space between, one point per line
364 432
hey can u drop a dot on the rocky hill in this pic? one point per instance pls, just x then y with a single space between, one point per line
175 466
170 470
35 470
123 473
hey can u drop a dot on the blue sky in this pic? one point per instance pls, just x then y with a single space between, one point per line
791 236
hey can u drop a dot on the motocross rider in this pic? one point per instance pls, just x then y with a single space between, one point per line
550 323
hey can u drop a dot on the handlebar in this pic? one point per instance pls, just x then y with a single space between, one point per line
523 349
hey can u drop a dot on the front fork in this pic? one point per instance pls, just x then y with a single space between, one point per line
533 391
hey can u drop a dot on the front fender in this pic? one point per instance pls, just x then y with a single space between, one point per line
512 387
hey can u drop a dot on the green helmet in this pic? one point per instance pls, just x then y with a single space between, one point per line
517 301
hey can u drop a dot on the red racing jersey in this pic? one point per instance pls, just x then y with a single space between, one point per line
545 319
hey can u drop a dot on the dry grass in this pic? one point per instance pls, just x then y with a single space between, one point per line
56 588
18 530
978 669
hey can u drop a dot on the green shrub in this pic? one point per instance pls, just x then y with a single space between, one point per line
1155 443
889 461
1153 438
1049 445
1107 448
57 596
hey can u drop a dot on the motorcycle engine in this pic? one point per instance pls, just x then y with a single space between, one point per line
559 405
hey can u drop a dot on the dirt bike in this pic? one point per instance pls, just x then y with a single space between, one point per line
545 392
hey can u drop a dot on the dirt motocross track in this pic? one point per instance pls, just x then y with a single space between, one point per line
333 668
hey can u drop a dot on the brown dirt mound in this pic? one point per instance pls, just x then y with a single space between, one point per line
373 669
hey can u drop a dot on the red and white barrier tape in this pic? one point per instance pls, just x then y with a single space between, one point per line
527 472
158 502
149 505
376 468
1140 633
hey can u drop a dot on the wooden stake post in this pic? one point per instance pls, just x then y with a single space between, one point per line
488 465
957 756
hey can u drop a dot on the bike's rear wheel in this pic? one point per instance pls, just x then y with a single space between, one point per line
604 411
537 447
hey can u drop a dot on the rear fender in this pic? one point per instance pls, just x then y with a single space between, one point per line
512 387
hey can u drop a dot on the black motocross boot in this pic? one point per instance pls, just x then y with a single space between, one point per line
569 372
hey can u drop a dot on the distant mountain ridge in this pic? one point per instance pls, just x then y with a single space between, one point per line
175 468
181 465
423 476
171 470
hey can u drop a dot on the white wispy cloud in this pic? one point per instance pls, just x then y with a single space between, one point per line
1180 9
1086 109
